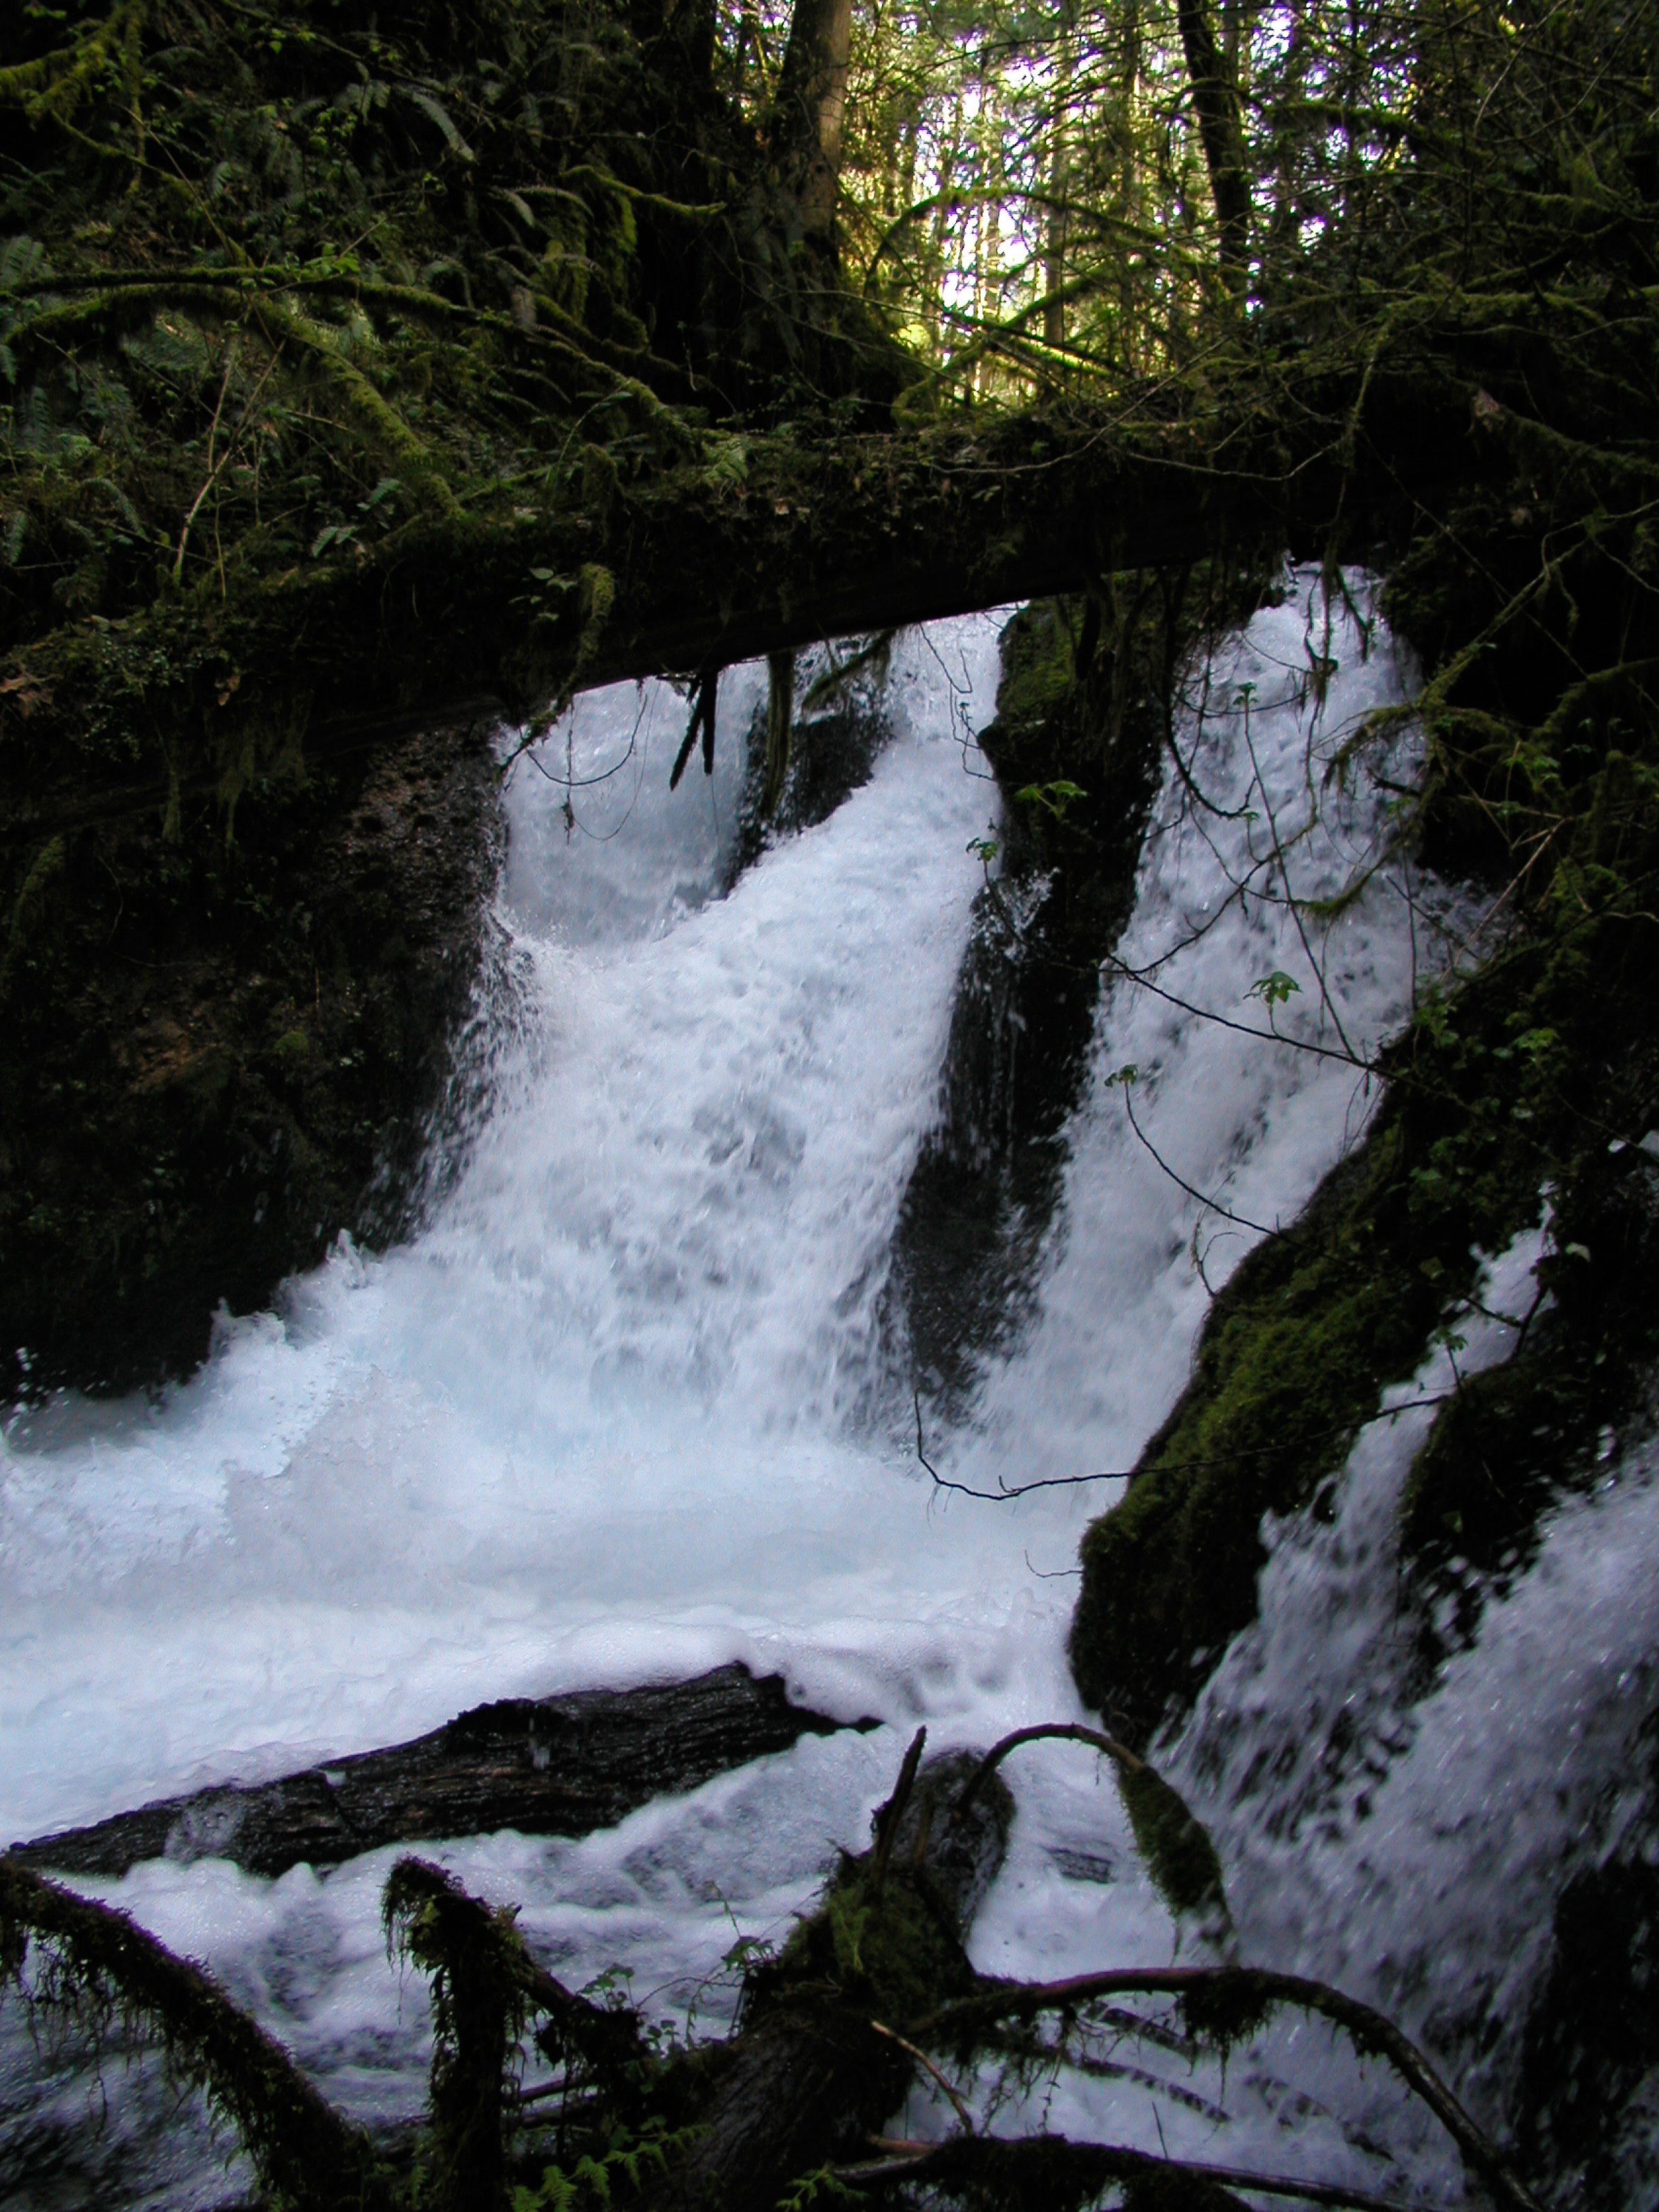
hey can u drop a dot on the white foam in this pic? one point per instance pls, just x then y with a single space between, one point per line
593 1425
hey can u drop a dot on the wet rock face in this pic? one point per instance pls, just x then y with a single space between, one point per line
984 1189
832 753
228 1028
1081 707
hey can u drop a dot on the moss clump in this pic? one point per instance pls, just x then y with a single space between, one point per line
888 1938
1179 1855
1296 1351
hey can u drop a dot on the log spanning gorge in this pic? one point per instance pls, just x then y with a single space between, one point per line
784 1302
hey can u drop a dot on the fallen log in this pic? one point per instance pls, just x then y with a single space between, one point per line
548 1766
506 610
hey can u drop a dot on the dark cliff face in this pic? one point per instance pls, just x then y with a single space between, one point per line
227 1038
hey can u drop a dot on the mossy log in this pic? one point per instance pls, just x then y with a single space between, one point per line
754 545
814 2066
821 2061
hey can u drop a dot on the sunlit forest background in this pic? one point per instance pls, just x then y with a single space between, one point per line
1024 190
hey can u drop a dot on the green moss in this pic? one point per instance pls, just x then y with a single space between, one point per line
1296 1351
92 1966
879 1945
1179 1855
1038 666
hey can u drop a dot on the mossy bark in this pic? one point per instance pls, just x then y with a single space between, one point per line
812 2072
99 1965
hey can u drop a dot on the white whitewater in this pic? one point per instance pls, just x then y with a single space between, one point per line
598 1422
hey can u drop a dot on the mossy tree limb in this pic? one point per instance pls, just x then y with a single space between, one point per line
814 539
815 2065
67 1953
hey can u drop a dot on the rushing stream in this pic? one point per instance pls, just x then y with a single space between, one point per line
635 1403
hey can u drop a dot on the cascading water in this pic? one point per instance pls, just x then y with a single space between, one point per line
609 1418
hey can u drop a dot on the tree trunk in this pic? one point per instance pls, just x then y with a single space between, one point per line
1215 104
811 106
1053 251
779 728
817 2066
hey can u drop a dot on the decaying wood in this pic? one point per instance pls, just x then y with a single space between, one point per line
689 571
548 1766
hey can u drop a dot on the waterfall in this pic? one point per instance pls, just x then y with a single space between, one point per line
628 1407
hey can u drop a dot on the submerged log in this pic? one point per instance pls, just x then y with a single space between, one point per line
548 1766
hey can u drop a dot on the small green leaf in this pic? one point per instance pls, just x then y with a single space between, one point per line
1053 797
1273 990
1535 1042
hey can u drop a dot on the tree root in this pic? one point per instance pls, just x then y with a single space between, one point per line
1048 2172
1223 2003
